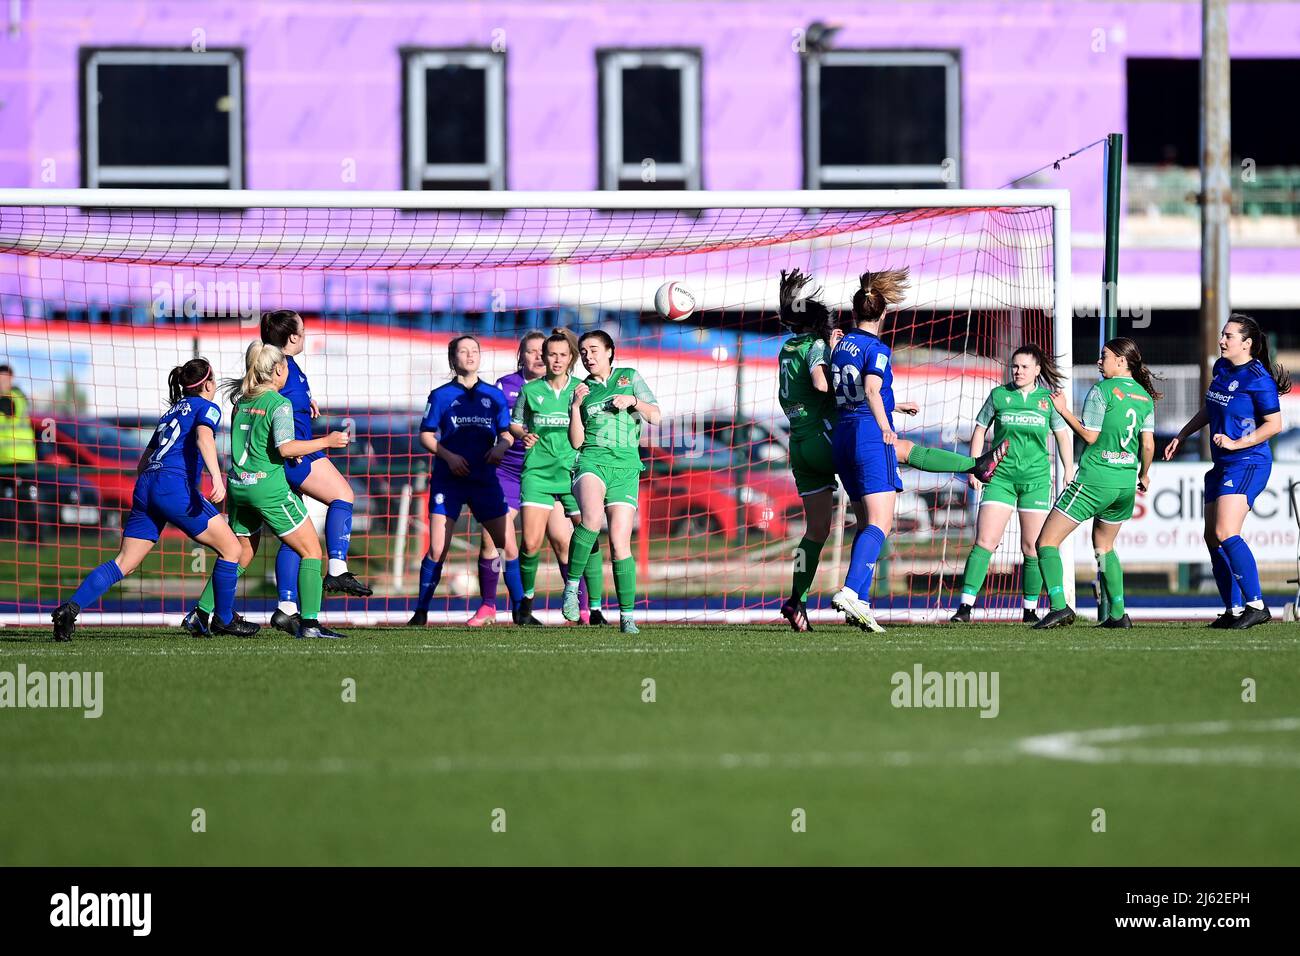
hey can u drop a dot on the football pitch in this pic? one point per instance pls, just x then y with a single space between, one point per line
685 745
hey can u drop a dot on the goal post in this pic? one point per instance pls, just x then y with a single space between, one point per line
102 291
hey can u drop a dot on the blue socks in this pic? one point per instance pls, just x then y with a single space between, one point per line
862 562
287 563
1242 562
338 529
430 574
1228 589
96 583
224 577
514 582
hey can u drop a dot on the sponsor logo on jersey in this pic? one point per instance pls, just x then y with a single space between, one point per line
551 421
1021 418
1118 392
1119 457
1219 398
470 421
882 361
1138 398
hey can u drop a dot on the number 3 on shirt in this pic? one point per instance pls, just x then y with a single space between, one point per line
1132 416
848 386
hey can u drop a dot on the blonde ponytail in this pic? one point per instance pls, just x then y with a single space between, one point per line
260 361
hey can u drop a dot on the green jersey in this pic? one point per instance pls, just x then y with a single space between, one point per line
258 428
1024 418
810 411
545 413
613 437
1120 410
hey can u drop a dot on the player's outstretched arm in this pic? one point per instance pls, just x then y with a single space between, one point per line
1087 434
1197 422
1148 455
1065 451
577 433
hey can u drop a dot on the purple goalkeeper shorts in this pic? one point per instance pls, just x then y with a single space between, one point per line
509 482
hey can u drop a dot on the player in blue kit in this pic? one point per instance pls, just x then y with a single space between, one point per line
167 492
314 476
1243 411
466 426
866 449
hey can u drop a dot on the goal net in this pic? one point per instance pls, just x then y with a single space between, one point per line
103 292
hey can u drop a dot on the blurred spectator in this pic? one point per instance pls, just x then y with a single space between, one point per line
17 439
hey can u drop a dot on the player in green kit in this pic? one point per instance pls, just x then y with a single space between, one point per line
1021 412
806 398
540 422
605 418
1119 428
262 437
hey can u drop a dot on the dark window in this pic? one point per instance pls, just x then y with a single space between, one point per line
650 119
455 119
162 118
882 119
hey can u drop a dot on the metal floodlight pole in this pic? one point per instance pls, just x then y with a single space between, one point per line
1216 186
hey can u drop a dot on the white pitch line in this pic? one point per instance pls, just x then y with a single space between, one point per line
1086 746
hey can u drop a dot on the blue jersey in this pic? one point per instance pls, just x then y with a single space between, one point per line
858 355
1238 399
298 392
467 421
175 442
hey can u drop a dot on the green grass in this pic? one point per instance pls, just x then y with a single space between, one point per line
748 724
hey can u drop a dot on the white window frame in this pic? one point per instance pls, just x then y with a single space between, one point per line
418 169
229 176
819 176
612 64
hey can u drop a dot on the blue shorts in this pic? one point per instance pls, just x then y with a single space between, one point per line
485 499
510 487
865 464
1236 479
160 499
298 470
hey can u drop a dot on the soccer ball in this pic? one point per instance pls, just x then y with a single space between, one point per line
673 301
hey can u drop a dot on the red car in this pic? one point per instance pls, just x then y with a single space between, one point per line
106 454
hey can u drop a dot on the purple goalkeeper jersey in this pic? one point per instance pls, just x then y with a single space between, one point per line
513 462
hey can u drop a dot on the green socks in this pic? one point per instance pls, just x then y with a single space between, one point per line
1032 579
977 568
1112 576
1049 560
594 576
528 570
939 461
207 600
580 547
806 558
625 583
310 588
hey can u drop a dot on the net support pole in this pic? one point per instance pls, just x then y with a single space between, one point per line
1063 342
1110 266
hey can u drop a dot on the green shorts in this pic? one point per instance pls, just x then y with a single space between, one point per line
812 463
1033 495
270 501
1081 501
621 484
543 487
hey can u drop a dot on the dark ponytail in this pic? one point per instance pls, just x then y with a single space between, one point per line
803 313
1127 349
1259 350
184 379
1049 374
